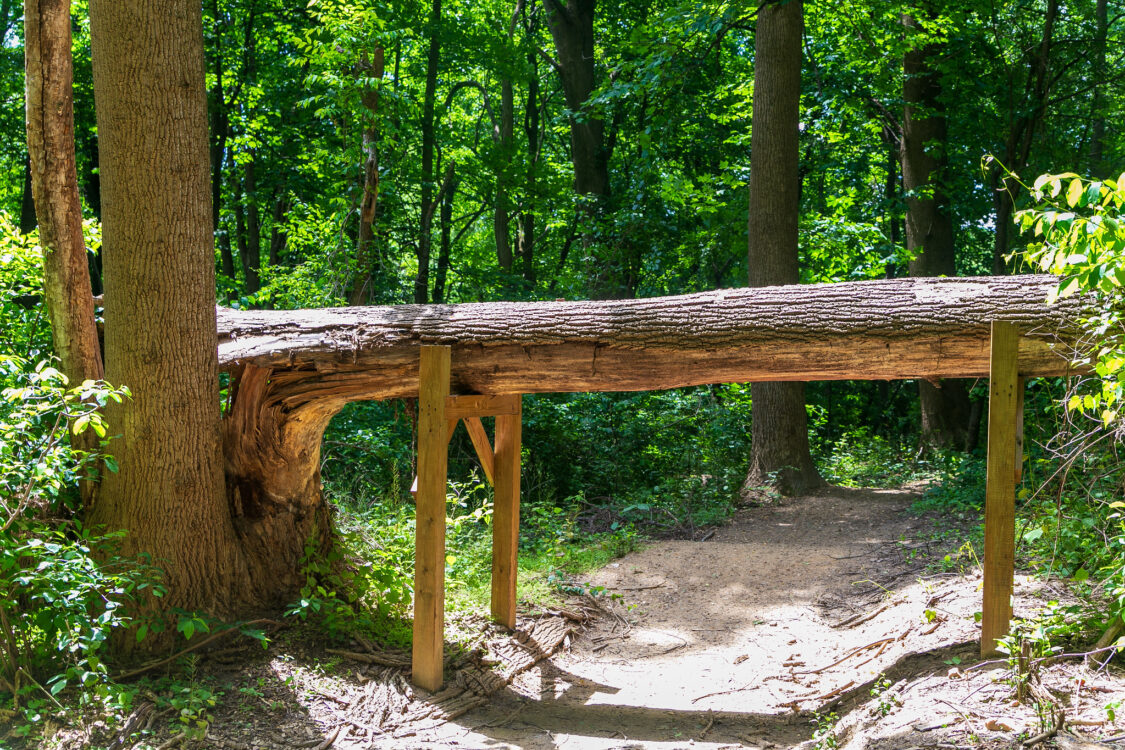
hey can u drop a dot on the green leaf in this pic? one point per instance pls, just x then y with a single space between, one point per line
1074 193
1081 575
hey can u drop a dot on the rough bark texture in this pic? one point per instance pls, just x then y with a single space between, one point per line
885 329
572 29
365 237
54 178
160 297
944 406
780 442
294 369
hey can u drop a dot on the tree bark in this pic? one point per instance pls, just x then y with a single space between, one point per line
220 130
28 221
501 211
279 235
160 305
780 442
870 330
48 76
425 235
572 29
252 258
293 369
449 189
365 237
54 178
945 406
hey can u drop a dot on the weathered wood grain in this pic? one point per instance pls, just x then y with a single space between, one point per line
892 329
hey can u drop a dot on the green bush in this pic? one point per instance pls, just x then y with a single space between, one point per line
63 588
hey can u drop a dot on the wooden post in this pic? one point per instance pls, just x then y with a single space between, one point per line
506 514
1000 491
429 535
1020 387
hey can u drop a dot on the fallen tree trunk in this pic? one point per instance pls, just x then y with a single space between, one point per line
873 330
293 370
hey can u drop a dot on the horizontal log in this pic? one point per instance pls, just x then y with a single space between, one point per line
870 330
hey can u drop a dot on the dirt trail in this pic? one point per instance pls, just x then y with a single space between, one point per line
821 613
733 642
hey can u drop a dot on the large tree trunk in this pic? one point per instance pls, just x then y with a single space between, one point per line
294 368
160 303
780 443
945 406
54 178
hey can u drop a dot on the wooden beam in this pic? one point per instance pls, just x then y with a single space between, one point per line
429 540
506 516
1000 492
483 447
460 407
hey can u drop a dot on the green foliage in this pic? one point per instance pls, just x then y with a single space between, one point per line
24 329
355 587
63 587
1079 230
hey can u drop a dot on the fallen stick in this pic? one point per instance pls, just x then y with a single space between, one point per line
841 660
832 693
861 618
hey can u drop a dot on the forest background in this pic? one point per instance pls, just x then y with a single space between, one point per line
388 153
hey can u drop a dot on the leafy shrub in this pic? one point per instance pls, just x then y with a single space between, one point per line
63 588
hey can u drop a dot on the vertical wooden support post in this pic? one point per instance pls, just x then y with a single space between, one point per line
1000 491
506 514
1020 387
429 534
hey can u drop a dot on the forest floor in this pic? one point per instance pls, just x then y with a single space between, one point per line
834 620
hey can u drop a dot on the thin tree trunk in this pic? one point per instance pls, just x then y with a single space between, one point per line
531 127
160 306
240 229
572 29
1097 135
365 236
220 130
501 211
780 442
252 261
1024 120
50 140
448 191
944 405
279 236
425 238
